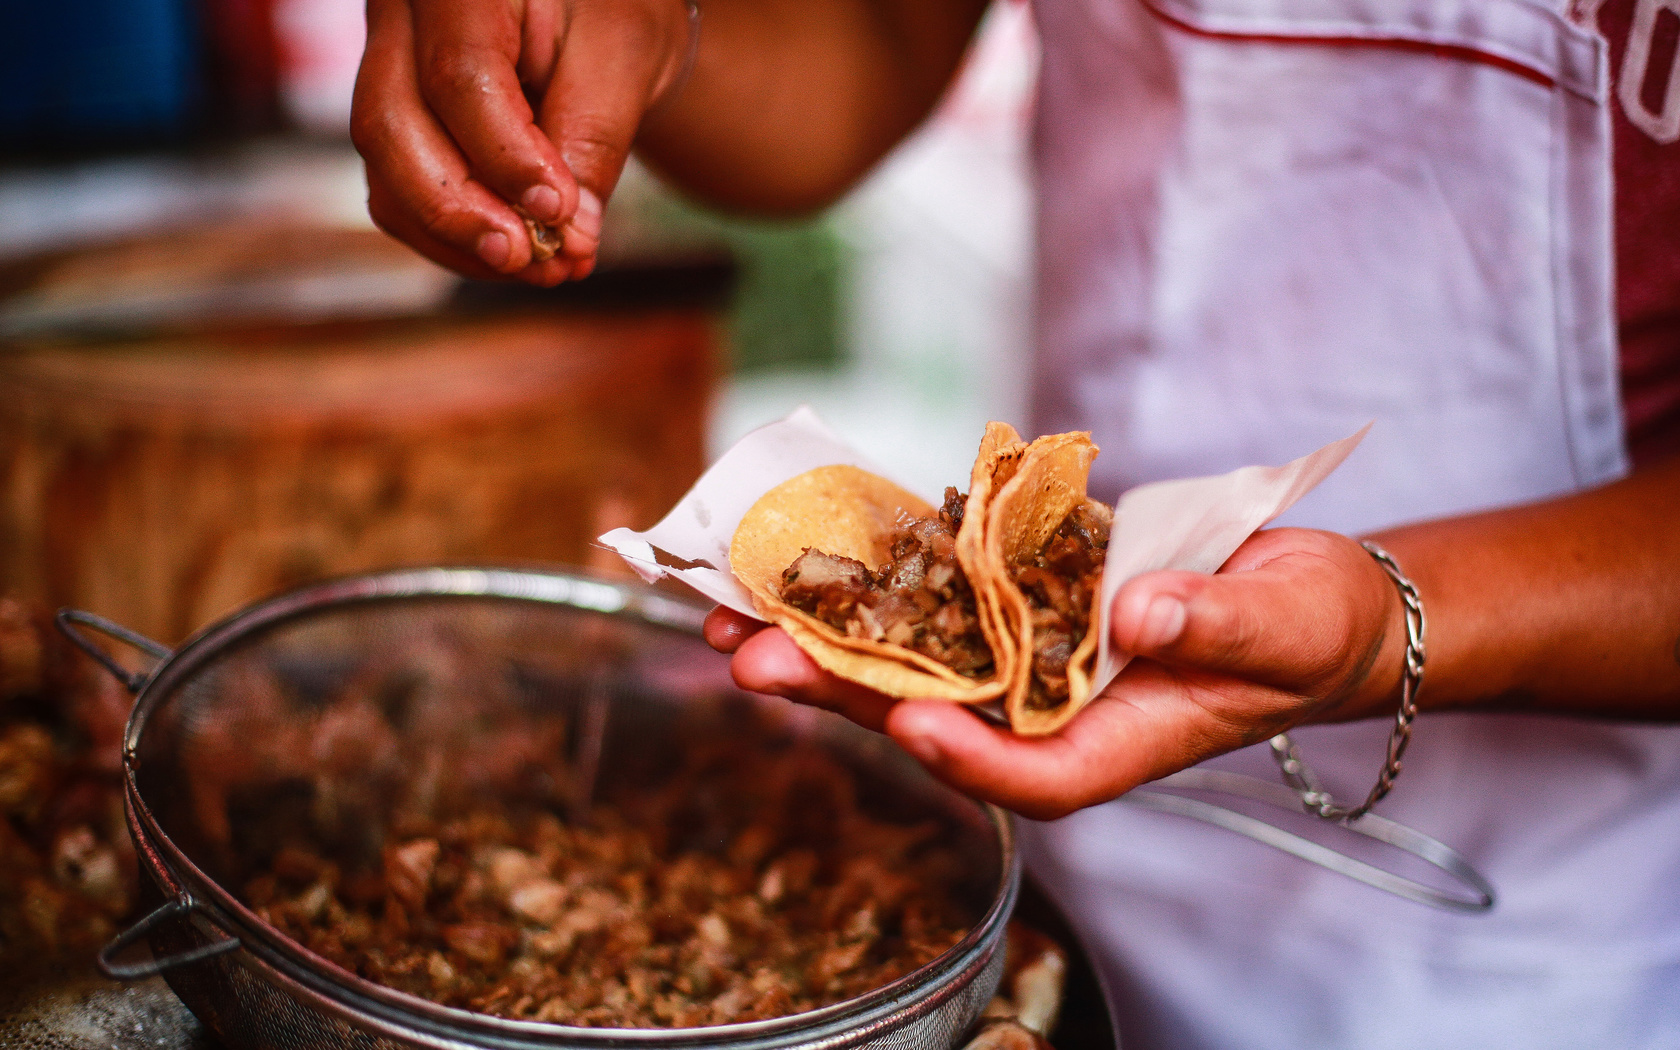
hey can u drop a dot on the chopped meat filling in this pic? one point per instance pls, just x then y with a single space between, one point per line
545 239
918 598
803 900
1060 584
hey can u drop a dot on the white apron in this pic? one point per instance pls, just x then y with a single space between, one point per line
1263 223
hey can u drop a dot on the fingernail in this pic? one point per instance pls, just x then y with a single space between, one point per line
494 249
1163 622
587 219
542 203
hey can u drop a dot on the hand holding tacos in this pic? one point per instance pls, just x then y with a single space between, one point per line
995 596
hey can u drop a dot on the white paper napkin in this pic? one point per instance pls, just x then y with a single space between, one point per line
1196 523
700 526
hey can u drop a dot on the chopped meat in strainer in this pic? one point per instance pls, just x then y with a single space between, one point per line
798 900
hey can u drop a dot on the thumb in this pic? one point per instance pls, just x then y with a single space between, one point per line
1296 622
615 62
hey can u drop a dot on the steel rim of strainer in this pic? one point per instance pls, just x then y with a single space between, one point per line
915 994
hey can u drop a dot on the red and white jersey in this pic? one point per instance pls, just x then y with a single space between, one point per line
1644 38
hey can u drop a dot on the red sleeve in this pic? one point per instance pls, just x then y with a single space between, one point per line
1644 40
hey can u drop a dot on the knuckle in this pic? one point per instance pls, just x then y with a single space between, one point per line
437 216
455 73
366 127
636 28
595 145
380 212
1231 631
370 117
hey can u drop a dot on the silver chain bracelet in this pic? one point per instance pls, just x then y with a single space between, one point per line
1298 775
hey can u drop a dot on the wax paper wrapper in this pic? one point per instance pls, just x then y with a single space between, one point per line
692 542
1192 524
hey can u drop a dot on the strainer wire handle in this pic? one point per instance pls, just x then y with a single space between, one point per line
170 911
1476 893
68 621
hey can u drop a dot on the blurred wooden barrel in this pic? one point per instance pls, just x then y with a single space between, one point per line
165 481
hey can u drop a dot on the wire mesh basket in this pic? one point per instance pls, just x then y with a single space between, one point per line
470 671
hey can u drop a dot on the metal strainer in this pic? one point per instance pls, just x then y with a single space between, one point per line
236 714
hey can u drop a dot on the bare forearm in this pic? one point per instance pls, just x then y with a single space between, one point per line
1571 606
791 101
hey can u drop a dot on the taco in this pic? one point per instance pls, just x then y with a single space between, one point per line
991 596
878 586
1046 541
